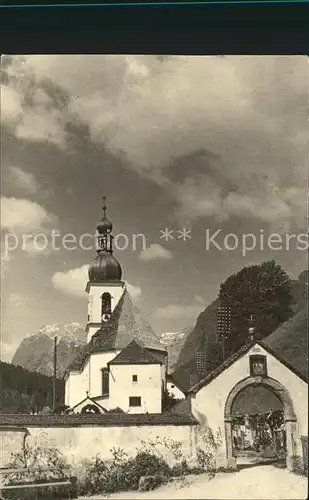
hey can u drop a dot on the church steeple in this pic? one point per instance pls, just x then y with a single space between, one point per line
104 229
105 267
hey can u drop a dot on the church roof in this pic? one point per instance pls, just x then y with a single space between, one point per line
134 354
125 325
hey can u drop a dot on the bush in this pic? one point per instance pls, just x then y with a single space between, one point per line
116 410
45 464
122 473
148 464
181 469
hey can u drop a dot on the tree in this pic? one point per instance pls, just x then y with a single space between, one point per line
116 410
263 291
169 401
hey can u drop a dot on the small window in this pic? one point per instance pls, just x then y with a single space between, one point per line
135 401
105 381
258 366
172 386
134 378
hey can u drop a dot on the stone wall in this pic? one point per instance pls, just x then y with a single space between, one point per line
82 437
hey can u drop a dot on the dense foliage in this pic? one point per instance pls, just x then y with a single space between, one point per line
22 391
263 291
116 410
169 401
45 465
121 472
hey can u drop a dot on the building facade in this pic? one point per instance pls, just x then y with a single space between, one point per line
124 365
255 365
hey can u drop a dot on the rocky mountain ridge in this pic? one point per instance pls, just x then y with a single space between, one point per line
35 352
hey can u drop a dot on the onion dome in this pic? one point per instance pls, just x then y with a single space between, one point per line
104 268
104 226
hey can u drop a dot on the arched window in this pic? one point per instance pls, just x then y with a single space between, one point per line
106 303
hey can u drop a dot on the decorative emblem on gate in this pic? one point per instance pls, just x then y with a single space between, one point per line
258 367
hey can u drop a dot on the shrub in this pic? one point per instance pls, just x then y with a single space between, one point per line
181 469
96 472
148 464
121 473
116 410
46 464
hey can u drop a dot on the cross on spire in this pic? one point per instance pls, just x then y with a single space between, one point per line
104 204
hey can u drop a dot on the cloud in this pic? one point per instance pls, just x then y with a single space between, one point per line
24 180
4 264
30 107
177 311
248 112
11 105
73 282
23 215
155 252
134 291
33 248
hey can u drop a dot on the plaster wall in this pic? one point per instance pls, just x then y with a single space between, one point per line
208 403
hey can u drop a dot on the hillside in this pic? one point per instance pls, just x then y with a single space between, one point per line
290 341
203 336
22 391
35 352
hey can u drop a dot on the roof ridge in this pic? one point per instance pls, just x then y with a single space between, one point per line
141 354
235 356
225 364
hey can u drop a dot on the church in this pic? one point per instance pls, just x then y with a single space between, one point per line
124 365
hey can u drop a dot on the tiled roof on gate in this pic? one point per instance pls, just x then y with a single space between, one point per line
234 357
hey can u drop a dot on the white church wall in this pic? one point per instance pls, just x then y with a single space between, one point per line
77 384
209 402
148 387
175 391
97 362
163 376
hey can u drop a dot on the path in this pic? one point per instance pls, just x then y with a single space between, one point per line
260 482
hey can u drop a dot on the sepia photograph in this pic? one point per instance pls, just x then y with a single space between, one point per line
154 277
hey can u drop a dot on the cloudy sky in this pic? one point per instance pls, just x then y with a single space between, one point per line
202 143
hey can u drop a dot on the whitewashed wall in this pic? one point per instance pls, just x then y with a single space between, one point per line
175 391
209 402
85 442
148 387
94 302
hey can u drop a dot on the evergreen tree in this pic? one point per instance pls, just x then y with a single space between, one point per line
261 291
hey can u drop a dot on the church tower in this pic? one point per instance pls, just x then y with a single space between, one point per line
104 287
